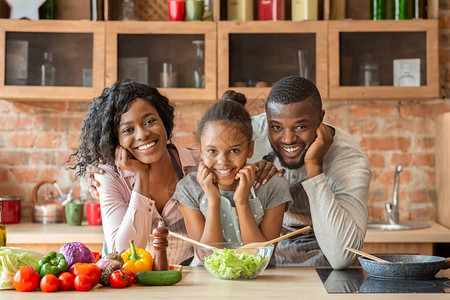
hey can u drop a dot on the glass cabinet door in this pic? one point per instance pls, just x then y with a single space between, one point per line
383 59
254 55
52 59
179 59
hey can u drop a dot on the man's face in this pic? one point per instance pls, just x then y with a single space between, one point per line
292 129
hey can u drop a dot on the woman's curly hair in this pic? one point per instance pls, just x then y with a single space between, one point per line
99 131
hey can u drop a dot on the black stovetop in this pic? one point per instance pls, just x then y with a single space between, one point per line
355 280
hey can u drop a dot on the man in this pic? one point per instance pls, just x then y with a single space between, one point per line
328 172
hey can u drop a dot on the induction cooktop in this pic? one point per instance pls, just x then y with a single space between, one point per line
355 280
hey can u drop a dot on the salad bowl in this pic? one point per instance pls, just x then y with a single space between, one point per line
226 261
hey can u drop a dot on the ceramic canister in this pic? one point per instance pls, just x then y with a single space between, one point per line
304 10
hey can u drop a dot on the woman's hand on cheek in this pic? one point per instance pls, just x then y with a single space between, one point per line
246 177
208 182
125 160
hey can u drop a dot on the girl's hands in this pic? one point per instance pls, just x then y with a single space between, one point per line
246 177
126 161
317 150
264 171
208 182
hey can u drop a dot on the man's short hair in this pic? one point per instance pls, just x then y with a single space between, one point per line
294 89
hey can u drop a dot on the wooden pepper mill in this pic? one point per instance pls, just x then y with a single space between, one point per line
160 244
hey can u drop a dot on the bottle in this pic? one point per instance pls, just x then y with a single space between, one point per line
160 244
2 229
207 11
369 72
97 9
378 9
272 10
47 10
304 10
48 71
400 9
240 10
337 9
198 77
168 78
419 9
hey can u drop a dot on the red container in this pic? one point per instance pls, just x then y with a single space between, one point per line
94 213
177 10
10 209
271 10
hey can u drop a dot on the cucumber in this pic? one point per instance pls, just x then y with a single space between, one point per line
158 277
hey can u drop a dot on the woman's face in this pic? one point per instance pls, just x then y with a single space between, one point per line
224 151
142 132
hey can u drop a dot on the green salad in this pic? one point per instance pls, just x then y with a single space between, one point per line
227 264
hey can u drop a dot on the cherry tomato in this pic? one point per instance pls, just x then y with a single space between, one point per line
131 277
66 281
90 270
82 283
118 279
26 279
49 283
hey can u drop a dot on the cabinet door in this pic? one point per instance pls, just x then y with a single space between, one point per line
55 60
252 56
383 59
164 54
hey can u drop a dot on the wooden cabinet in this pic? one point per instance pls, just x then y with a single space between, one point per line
153 44
76 50
252 56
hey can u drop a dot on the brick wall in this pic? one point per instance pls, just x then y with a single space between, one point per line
36 139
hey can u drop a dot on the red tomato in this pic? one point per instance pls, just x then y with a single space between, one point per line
66 280
82 283
118 280
49 283
90 270
131 277
26 279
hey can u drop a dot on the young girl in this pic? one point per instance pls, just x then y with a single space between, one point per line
218 202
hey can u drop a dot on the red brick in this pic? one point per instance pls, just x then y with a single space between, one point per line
26 175
5 106
376 213
48 141
71 124
376 160
431 178
3 175
426 143
14 190
40 157
63 156
50 174
185 141
362 126
22 140
424 159
405 159
185 125
374 109
47 123
78 107
38 107
444 21
426 213
386 143
73 141
388 177
418 196
16 123
14 157
424 110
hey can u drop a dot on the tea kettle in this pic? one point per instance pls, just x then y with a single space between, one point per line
47 198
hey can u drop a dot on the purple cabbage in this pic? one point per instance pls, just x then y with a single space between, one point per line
76 252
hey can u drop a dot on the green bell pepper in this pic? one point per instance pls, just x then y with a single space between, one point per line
52 263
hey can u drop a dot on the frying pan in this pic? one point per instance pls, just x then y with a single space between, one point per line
411 266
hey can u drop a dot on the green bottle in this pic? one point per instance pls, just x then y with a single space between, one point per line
2 230
378 9
47 10
400 9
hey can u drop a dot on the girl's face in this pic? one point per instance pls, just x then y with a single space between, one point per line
142 132
224 151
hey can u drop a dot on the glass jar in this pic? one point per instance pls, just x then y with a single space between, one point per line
198 76
304 10
48 70
128 10
369 72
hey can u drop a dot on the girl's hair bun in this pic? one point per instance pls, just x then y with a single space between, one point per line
234 96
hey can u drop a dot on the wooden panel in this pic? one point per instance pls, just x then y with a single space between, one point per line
442 168
436 233
73 10
398 248
428 91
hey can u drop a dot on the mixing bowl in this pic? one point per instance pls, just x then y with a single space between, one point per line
226 261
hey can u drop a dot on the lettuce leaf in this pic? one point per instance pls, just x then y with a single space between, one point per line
227 264
11 260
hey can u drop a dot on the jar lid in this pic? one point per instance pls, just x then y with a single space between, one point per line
9 198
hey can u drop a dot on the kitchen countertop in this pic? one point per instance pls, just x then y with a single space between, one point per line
34 233
294 282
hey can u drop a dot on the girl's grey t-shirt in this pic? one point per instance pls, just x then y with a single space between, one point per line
269 195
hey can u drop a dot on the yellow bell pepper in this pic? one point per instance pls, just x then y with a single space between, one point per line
137 259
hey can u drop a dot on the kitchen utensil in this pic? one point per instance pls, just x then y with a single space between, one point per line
367 255
189 240
177 10
47 206
262 244
10 209
405 266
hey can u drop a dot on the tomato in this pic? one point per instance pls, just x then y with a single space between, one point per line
26 279
82 283
131 277
49 283
66 280
118 279
90 270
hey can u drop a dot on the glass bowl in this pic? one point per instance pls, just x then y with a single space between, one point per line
225 261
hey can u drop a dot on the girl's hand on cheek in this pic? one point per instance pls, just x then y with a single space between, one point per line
208 182
126 161
246 177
